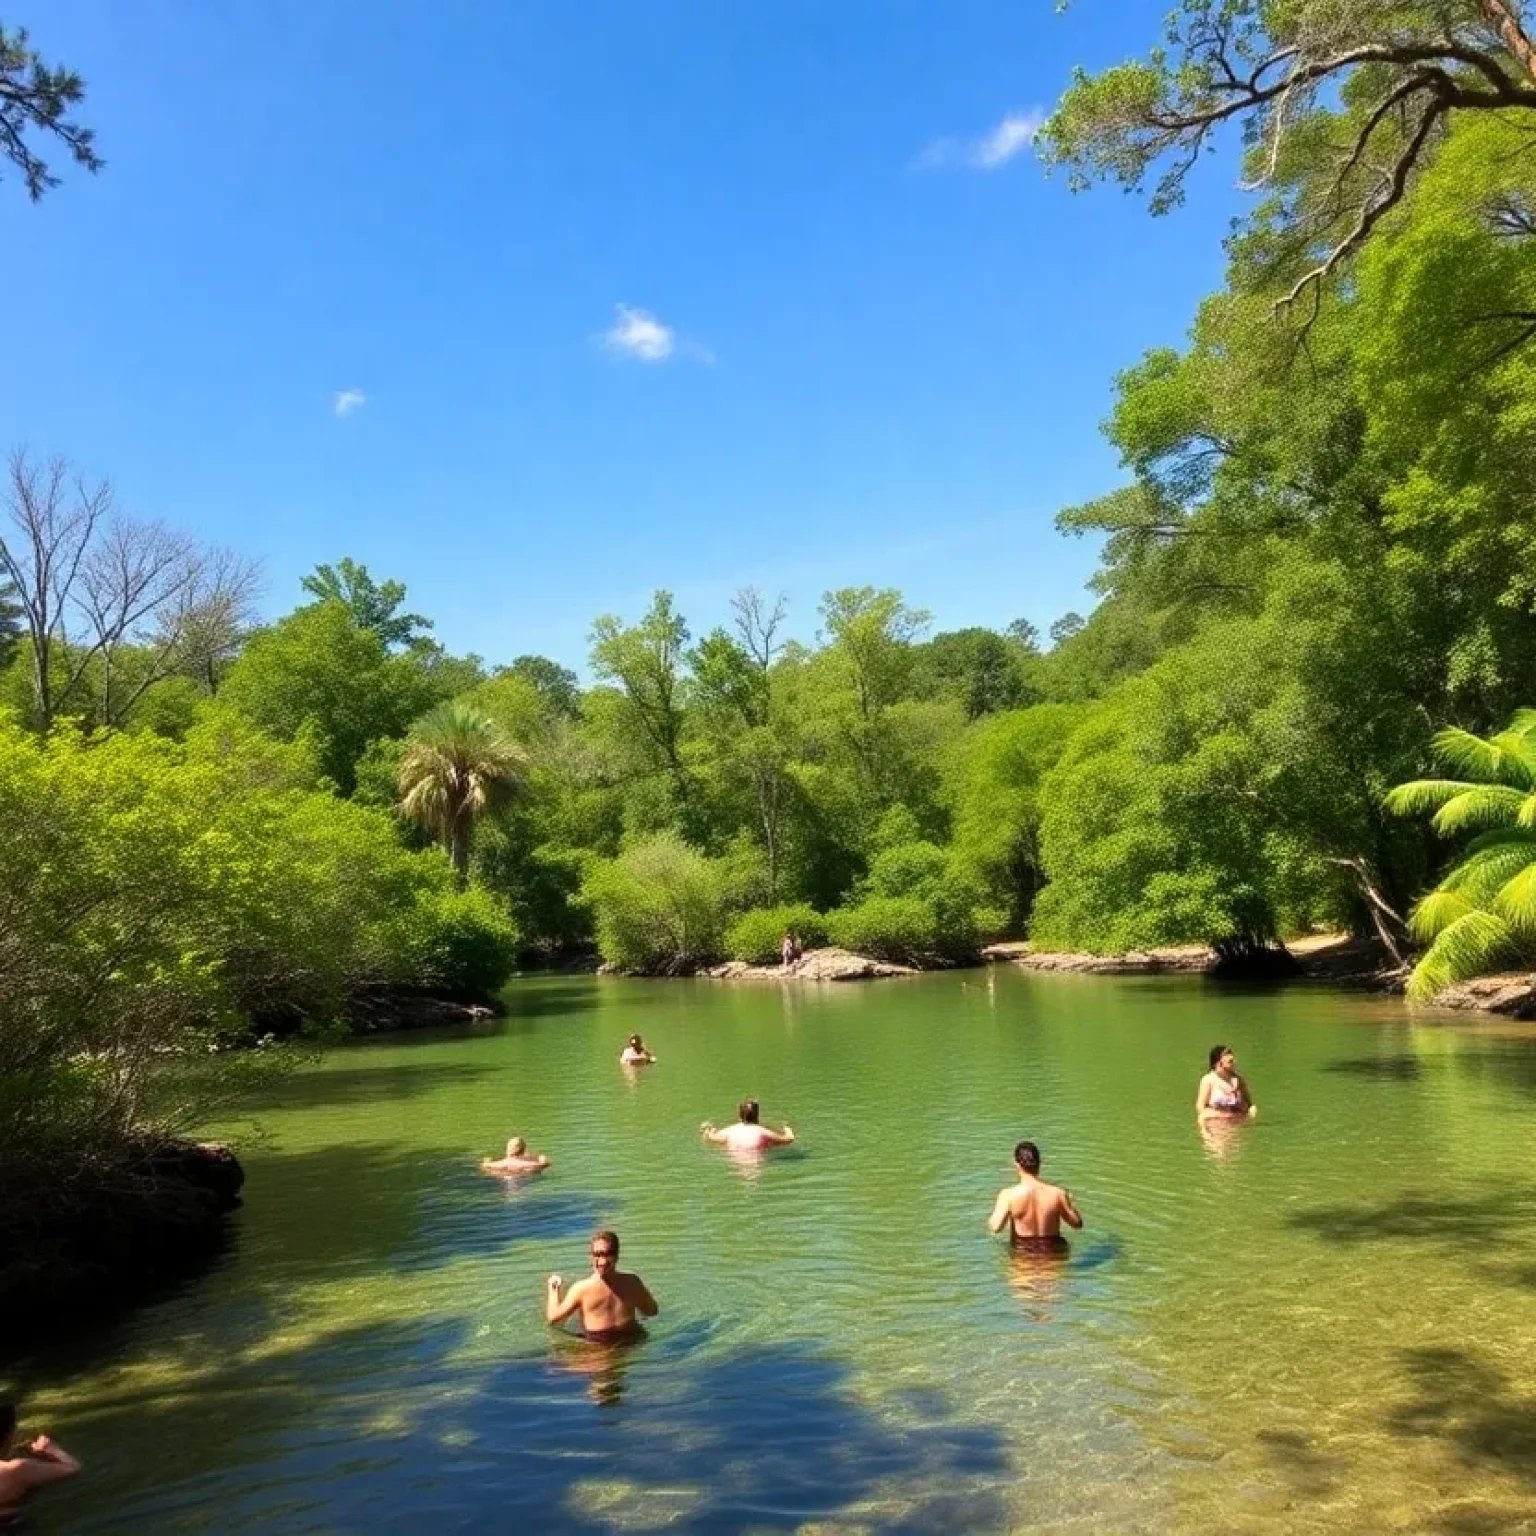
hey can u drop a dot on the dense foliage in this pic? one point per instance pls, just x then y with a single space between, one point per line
1317 576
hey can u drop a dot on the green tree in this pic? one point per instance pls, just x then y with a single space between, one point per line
36 98
659 907
1482 915
556 684
1341 106
318 672
456 766
646 661
997 771
977 667
372 605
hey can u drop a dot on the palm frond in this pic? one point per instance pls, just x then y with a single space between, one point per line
1476 943
1487 870
1480 807
1419 796
1516 903
1496 761
1434 913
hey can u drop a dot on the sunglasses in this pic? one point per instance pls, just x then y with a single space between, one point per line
602 1253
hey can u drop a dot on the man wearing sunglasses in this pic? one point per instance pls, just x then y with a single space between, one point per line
608 1299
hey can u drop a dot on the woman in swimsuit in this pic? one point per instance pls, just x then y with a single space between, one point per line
1223 1095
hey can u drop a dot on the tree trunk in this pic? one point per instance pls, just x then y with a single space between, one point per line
458 851
1506 22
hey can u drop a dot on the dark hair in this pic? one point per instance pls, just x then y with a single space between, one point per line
749 1110
634 1041
7 1421
605 1236
1217 1052
1027 1156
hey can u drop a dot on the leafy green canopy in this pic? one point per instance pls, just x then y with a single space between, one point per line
164 898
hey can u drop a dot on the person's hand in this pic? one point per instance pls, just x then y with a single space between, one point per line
1253 1111
556 1283
789 1131
41 1445
706 1127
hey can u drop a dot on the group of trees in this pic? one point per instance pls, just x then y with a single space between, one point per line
1321 559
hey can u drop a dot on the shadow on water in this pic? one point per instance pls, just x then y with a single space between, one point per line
1472 1407
324 1088
373 1209
535 997
1384 1069
1511 1062
378 1428
1307 1472
1494 1233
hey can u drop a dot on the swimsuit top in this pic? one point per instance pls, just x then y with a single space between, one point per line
1224 1095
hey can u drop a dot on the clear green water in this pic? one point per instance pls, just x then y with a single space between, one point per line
1325 1322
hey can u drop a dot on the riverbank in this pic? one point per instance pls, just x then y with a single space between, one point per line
88 1245
1330 957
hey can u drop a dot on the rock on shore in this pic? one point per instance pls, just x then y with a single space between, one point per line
1510 995
814 965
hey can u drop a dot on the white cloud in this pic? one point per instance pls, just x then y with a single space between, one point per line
640 334
347 401
991 151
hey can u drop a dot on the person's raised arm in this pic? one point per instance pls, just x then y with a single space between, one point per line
1069 1212
48 1463
1001 1212
645 1303
558 1303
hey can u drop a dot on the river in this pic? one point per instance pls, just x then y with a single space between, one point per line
1322 1321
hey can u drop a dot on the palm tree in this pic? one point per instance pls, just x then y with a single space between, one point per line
457 765
1483 914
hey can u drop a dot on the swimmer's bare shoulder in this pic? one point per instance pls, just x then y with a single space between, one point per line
1063 1206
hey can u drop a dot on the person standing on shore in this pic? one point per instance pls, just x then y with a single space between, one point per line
41 1464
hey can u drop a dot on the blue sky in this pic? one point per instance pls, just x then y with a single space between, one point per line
540 307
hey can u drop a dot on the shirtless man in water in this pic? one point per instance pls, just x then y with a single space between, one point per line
517 1160
607 1299
43 1462
1032 1210
747 1135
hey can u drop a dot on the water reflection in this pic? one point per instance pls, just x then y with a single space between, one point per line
1036 1268
1223 1138
602 1362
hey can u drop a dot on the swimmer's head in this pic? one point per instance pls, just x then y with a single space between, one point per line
1217 1052
7 1425
1027 1156
748 1110
605 1251
634 1043
516 1147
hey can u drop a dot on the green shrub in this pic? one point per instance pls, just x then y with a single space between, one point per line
463 943
900 928
659 907
758 936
